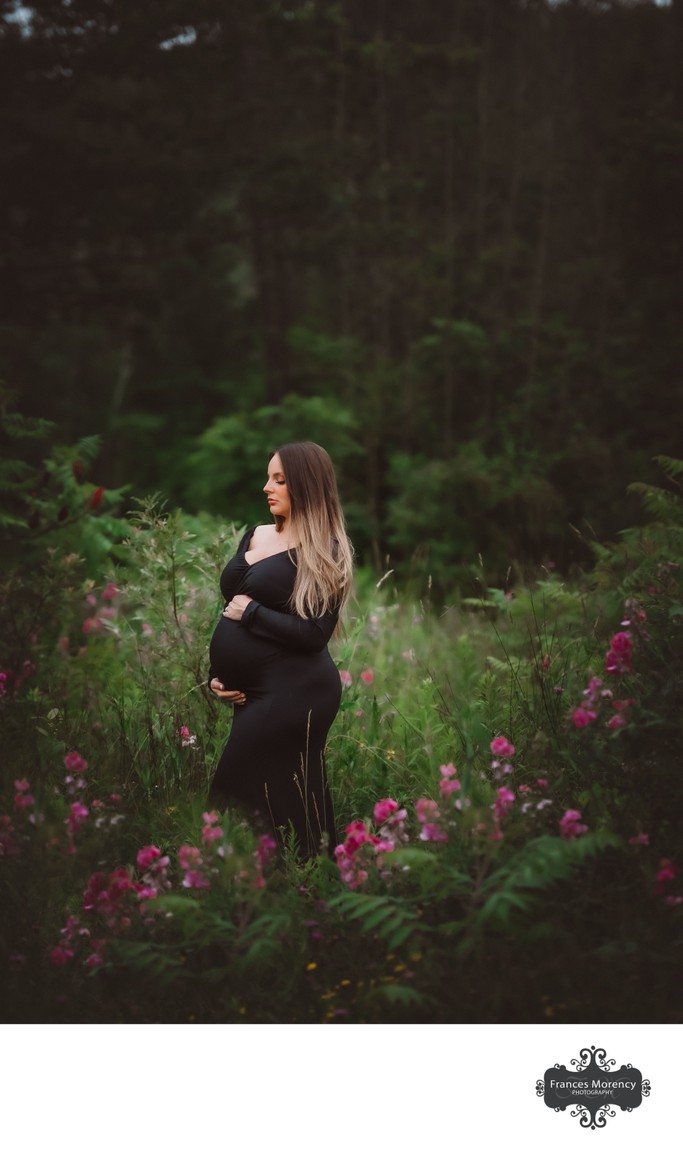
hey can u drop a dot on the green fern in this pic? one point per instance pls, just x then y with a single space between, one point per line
399 995
667 506
671 467
392 921
537 866
663 504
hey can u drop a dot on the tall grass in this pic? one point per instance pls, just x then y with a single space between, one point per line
504 861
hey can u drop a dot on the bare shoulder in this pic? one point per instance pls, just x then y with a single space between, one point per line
263 532
263 537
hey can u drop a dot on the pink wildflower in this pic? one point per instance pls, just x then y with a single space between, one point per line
75 762
22 802
501 747
187 740
592 690
94 891
367 676
120 882
667 873
383 809
353 875
78 813
571 826
392 835
146 856
195 880
622 643
432 833
23 798
448 784
427 809
346 678
267 846
642 840
352 857
357 835
581 717
189 857
110 592
449 787
618 660
147 893
503 801
429 814
60 955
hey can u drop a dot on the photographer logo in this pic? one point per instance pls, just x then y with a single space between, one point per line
593 1088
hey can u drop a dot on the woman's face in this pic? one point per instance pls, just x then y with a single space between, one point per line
276 489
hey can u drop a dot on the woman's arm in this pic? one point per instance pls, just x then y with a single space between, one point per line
291 630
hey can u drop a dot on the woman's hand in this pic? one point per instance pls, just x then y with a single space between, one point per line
236 607
237 697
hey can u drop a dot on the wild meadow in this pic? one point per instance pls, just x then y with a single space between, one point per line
506 771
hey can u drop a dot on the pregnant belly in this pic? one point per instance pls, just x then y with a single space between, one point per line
238 658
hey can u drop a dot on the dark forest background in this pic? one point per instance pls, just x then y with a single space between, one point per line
442 237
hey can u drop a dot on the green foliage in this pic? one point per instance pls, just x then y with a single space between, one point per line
378 214
464 925
390 919
227 468
471 505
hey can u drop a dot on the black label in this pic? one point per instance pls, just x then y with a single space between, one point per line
593 1087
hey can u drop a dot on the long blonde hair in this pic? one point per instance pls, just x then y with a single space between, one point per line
324 554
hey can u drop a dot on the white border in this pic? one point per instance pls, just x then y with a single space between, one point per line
332 1087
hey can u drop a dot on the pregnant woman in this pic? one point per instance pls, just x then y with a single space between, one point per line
284 591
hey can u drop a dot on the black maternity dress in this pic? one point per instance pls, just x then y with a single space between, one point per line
273 765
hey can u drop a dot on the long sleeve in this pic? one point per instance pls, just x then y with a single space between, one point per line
290 630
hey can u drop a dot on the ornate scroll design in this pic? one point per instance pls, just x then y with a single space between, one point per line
594 1056
594 1087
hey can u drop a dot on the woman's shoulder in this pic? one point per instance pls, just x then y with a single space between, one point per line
257 531
255 537
263 530
261 534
